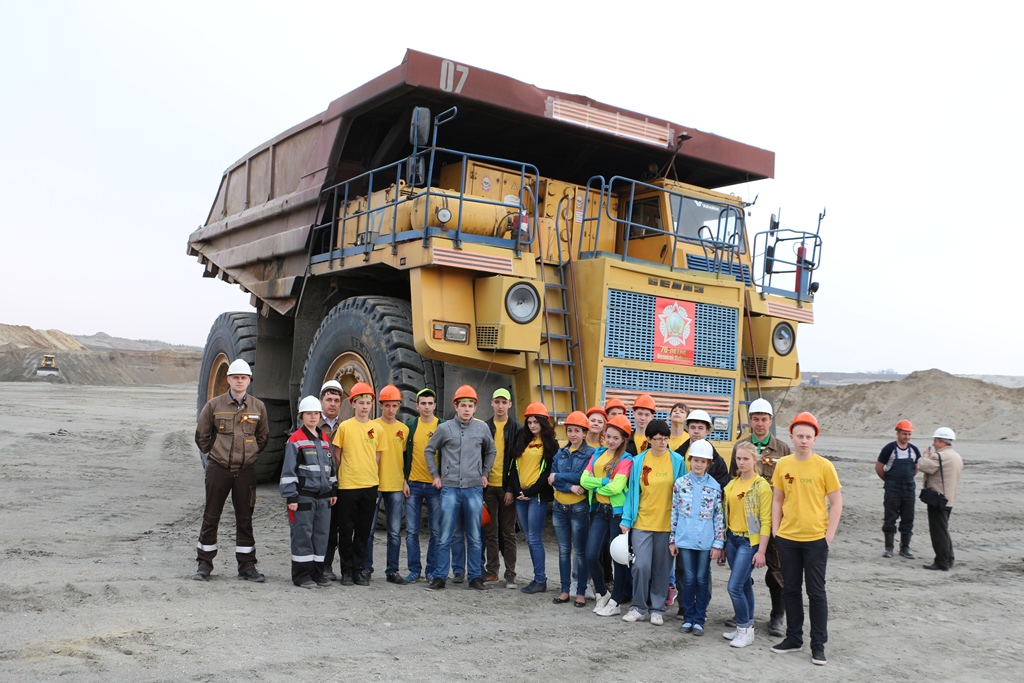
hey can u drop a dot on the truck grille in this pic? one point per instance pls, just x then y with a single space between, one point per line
630 332
487 336
713 394
749 366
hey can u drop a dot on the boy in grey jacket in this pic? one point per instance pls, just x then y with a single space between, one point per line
467 453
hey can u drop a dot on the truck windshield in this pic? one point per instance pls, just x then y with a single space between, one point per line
724 223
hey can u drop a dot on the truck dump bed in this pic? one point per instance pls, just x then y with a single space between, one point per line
257 229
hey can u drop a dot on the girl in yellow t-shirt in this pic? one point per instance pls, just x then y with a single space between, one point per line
532 453
596 421
748 521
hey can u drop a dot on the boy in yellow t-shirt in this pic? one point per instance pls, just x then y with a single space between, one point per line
357 449
393 489
806 507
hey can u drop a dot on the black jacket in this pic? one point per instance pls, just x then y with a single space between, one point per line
510 432
540 488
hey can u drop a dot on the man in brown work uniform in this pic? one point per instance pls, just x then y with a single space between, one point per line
770 450
232 429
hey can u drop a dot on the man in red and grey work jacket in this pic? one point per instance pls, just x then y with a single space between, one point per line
232 429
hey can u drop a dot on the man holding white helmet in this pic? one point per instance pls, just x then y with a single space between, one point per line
941 474
769 449
232 429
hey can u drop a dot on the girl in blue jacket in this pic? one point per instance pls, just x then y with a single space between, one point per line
698 529
570 513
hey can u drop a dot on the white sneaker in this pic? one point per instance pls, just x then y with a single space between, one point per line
612 609
635 615
572 587
744 637
731 635
657 619
602 600
590 591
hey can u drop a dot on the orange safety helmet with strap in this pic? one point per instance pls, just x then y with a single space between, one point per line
578 419
360 389
463 392
645 401
805 419
536 409
614 403
597 409
390 393
905 426
621 422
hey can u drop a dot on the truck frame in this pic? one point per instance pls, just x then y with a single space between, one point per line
445 225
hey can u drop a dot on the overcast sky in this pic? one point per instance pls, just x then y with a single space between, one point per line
902 118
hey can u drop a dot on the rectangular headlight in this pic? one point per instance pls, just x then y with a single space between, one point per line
456 333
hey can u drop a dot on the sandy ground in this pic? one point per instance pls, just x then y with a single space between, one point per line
98 537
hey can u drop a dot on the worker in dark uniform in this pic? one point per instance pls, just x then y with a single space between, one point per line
769 449
897 467
232 429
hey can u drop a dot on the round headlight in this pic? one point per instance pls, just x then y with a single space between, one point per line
522 302
783 339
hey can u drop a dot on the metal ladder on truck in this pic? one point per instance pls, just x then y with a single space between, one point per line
556 370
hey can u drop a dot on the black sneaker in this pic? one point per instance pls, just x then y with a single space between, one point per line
436 585
787 645
201 575
331 576
321 581
395 579
459 578
776 627
535 587
818 656
346 579
361 579
477 584
252 575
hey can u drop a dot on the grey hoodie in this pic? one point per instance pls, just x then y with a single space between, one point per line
467 453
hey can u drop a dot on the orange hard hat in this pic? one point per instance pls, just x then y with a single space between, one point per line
360 389
645 401
485 516
621 422
614 403
597 409
390 393
465 391
536 408
578 419
905 426
805 419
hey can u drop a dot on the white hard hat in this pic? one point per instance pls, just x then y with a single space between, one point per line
310 404
239 367
944 433
760 406
699 416
702 449
619 550
332 384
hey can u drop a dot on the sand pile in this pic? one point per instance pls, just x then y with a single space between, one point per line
929 398
104 368
23 336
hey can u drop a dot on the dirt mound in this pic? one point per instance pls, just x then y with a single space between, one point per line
101 341
105 368
928 398
23 336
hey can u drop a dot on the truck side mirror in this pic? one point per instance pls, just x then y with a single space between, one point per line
419 127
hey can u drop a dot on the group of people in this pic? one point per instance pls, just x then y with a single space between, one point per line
638 508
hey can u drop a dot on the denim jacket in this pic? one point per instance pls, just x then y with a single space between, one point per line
698 522
568 466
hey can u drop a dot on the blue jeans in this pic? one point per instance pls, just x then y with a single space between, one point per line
696 575
465 505
531 515
394 507
572 524
741 587
420 493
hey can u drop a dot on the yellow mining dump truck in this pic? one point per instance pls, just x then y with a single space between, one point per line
443 225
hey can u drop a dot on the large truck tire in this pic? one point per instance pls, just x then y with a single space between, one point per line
233 335
369 339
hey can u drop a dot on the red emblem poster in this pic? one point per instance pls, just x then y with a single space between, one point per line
673 331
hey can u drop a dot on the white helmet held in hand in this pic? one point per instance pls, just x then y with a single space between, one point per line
944 433
619 550
310 404
239 367
760 406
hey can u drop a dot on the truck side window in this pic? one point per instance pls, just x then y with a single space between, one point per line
646 213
